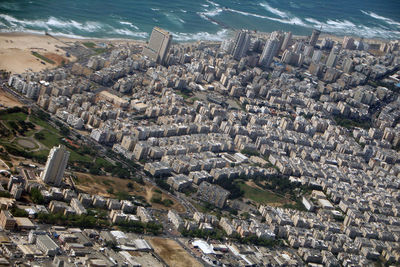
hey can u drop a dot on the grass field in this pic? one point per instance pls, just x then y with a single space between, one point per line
12 117
42 123
51 136
74 156
251 191
172 253
102 162
19 116
89 44
42 153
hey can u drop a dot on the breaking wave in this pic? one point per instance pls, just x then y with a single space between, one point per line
378 17
274 11
129 24
88 26
186 37
345 27
125 32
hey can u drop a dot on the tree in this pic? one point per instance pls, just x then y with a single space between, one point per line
39 136
130 185
37 196
16 212
245 215
94 170
110 190
233 188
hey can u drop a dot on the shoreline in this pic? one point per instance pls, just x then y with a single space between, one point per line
19 50
140 40
64 38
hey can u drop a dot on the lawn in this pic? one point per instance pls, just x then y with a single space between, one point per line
93 46
42 123
102 162
50 138
41 153
89 44
74 156
12 117
18 116
260 195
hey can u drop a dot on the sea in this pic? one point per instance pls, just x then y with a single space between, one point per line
192 20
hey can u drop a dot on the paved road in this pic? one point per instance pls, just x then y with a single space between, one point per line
8 167
20 98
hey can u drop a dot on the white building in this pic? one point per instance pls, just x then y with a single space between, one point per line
269 52
55 165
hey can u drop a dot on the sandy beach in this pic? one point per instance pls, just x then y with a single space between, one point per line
16 50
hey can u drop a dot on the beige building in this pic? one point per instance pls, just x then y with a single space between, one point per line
7 221
159 43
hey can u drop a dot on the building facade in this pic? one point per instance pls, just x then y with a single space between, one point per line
269 52
241 44
159 44
55 165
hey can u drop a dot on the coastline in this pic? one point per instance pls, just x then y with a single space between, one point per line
17 48
70 39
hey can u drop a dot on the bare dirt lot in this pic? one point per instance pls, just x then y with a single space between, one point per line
7 100
172 253
94 184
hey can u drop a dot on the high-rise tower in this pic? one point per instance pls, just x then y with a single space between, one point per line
241 44
332 59
270 49
314 37
158 46
348 43
55 165
286 41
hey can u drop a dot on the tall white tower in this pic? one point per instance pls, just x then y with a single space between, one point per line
286 41
55 165
270 49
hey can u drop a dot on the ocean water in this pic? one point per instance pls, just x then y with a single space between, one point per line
200 19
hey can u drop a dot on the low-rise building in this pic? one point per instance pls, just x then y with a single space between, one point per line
175 219
7 221
179 182
213 194
47 245
77 206
144 215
